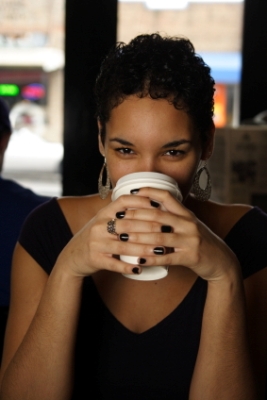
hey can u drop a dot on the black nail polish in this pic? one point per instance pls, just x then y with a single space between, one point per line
159 250
154 204
142 260
136 270
166 229
124 237
120 214
134 191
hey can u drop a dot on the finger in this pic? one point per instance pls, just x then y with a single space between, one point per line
153 239
132 249
116 265
165 198
149 255
126 202
183 257
151 248
157 244
152 220
139 225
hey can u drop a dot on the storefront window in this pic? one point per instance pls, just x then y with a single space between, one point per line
31 83
214 27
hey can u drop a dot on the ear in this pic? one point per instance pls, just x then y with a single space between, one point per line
100 143
209 145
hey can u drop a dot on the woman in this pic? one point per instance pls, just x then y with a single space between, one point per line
78 328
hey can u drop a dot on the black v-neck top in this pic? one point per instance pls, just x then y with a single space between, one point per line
115 363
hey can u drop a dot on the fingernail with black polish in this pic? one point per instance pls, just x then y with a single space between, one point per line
136 270
154 204
120 214
159 250
166 229
124 237
134 191
142 261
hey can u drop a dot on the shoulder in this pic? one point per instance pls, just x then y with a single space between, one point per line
229 215
246 234
44 234
78 210
244 230
220 218
42 217
71 211
237 218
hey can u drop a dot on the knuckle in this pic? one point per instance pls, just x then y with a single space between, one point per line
95 231
96 226
133 213
167 195
123 200
154 227
123 226
156 213
158 239
120 248
145 250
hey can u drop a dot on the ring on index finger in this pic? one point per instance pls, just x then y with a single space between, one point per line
111 227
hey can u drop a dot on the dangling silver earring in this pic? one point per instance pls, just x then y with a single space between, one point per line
202 194
103 189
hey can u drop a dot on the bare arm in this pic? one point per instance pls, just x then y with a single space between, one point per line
224 368
45 310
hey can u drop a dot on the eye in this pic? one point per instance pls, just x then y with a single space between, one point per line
124 150
175 153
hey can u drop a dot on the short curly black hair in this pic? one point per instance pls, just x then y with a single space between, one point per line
162 68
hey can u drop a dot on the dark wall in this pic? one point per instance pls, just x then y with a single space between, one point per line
254 54
90 32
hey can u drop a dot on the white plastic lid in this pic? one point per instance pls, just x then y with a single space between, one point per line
146 175
141 179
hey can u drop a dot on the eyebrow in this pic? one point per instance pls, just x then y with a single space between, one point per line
121 141
175 143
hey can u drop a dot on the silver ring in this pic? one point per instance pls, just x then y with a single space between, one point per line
111 227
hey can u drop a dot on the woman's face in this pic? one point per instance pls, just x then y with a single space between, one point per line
151 135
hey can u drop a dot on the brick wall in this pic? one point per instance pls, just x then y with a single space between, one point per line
210 26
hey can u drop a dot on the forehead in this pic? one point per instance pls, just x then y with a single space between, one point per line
145 116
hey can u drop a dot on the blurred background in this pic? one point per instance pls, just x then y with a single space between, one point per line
50 52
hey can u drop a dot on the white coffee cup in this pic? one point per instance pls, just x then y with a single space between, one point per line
137 180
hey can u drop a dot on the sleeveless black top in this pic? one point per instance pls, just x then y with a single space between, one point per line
115 363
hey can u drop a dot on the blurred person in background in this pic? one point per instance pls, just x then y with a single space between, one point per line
16 202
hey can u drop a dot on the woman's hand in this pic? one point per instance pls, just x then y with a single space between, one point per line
156 237
93 247
171 237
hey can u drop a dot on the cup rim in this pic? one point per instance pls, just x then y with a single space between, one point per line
146 175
